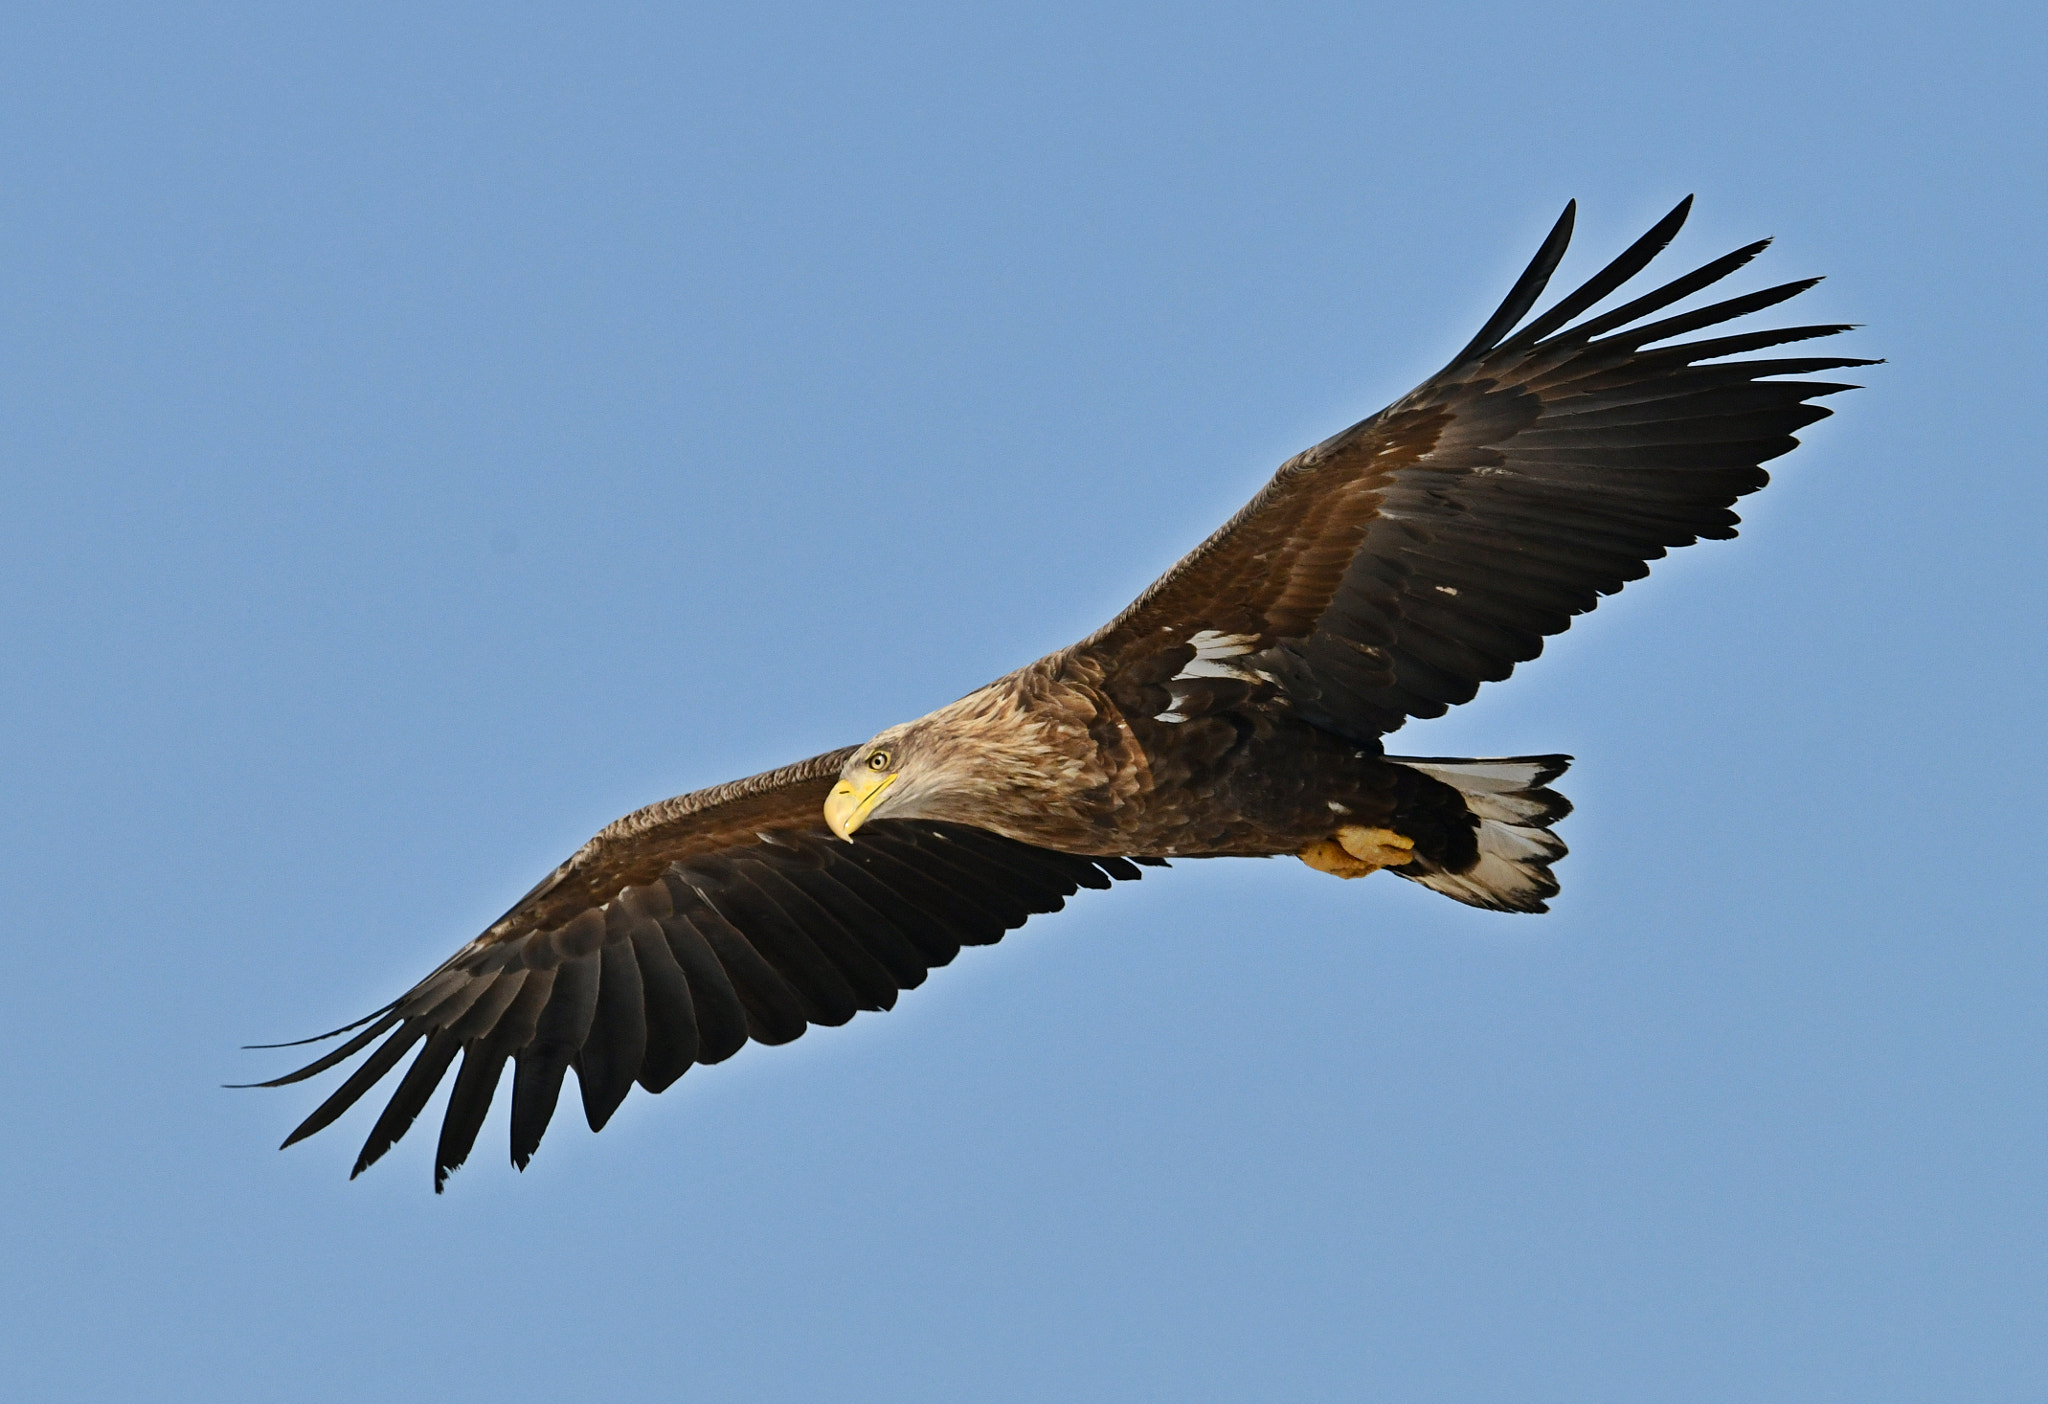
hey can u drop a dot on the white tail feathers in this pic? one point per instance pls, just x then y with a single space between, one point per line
1515 812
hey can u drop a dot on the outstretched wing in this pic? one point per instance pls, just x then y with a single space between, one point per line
673 937
1388 571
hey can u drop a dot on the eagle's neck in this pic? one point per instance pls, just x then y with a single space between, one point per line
1021 757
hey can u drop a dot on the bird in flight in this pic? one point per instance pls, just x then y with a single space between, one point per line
1236 709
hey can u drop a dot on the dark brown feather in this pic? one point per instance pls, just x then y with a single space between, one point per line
1235 707
754 926
483 1063
1448 534
721 1016
410 1098
611 1056
672 1040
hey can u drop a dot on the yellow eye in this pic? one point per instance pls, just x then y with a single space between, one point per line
878 761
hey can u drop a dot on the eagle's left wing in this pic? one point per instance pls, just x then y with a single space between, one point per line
673 937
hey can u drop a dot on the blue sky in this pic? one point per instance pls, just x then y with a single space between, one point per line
431 431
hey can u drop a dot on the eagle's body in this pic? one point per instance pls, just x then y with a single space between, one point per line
1235 709
1049 756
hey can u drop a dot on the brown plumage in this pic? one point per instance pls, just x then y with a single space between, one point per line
1235 709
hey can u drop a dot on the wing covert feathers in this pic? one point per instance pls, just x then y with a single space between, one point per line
1381 575
712 934
1390 570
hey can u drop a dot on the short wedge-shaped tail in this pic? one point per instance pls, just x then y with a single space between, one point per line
1516 846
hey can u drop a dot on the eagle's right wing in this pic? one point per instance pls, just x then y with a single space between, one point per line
1388 571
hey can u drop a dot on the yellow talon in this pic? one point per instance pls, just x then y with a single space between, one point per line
1355 851
1383 848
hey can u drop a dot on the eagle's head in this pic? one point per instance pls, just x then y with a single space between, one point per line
985 760
883 777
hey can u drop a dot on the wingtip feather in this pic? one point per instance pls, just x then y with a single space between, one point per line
316 1038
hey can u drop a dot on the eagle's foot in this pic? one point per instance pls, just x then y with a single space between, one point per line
1353 851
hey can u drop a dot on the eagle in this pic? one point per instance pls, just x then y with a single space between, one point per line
1235 709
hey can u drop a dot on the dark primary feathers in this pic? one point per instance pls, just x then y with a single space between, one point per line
1381 575
1388 571
728 933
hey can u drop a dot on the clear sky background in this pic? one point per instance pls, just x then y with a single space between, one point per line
431 431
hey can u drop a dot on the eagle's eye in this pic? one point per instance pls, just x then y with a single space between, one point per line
878 761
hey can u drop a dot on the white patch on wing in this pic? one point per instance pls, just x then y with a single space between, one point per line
1208 668
1211 648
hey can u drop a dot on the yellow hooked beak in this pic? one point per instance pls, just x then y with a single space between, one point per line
846 808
